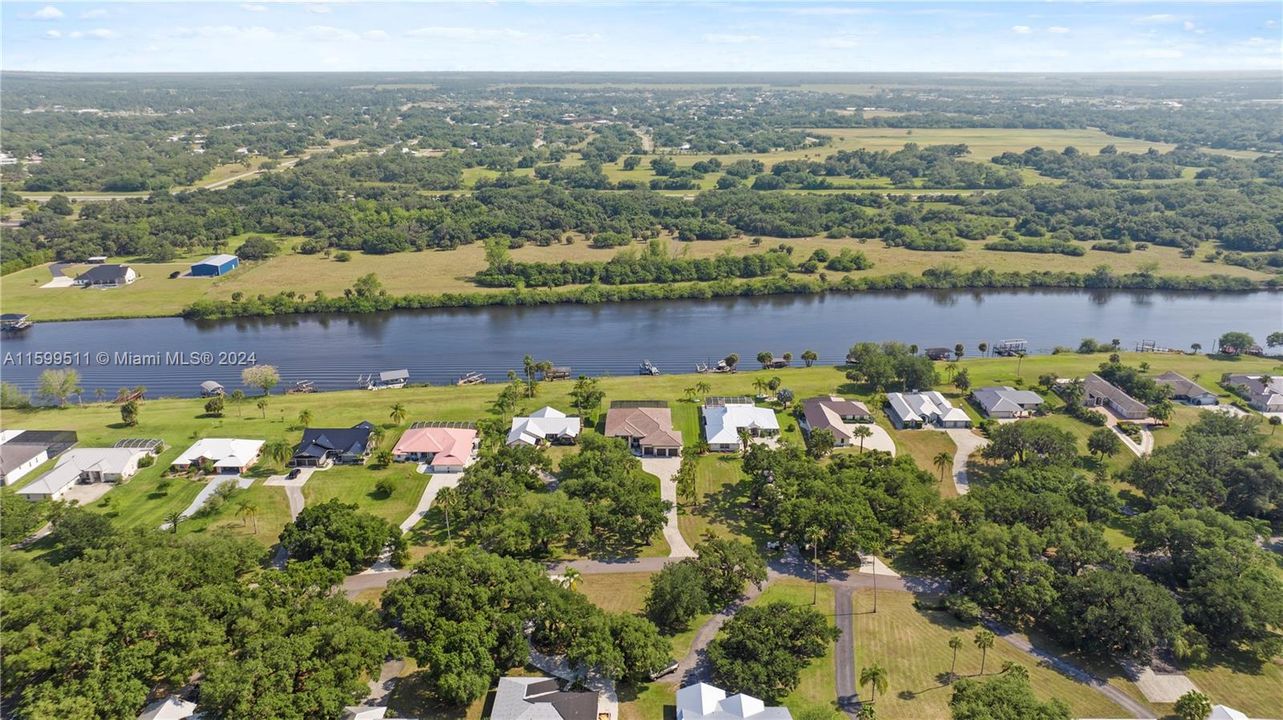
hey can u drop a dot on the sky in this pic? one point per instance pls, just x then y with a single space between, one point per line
996 36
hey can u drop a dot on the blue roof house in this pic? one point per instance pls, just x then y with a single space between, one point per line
215 265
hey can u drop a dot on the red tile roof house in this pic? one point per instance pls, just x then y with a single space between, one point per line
443 447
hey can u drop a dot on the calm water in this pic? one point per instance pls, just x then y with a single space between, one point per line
439 345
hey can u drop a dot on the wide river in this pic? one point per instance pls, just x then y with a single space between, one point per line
439 345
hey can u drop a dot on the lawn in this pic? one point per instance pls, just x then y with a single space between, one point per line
720 508
817 686
1238 681
923 446
356 484
913 646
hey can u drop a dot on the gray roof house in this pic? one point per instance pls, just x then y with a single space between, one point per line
540 698
1006 402
914 410
1185 390
106 276
1262 392
1098 392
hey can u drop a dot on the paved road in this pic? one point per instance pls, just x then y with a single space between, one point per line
666 469
967 442
844 658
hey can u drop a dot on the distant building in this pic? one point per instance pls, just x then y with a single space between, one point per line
702 701
541 698
215 265
1005 403
647 425
169 708
322 447
834 414
544 426
82 466
915 410
106 276
1262 392
1186 390
1098 392
724 419
210 388
443 447
229 456
22 451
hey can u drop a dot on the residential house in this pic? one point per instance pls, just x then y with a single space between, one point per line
443 447
366 712
541 698
106 276
1224 712
215 265
322 447
724 418
702 701
169 708
22 451
1186 390
1262 392
647 425
545 426
228 456
1005 403
915 410
82 466
834 414
1097 392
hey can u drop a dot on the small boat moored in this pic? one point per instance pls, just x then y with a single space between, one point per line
471 378
15 322
386 380
647 368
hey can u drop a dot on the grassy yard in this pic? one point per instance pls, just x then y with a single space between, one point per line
923 446
913 646
817 687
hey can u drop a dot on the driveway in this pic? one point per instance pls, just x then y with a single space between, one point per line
967 442
879 440
206 492
666 469
1139 449
435 484
293 489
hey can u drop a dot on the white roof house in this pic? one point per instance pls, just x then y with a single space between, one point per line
88 464
722 423
1221 712
228 454
543 425
168 708
925 408
702 701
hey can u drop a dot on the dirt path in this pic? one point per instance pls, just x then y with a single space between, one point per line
666 469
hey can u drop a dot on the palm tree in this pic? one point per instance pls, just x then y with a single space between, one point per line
305 417
376 437
278 451
788 358
262 406
244 509
952 369
745 438
689 394
703 387
172 519
238 398
955 643
809 357
765 358
383 458
875 676
943 461
398 414
861 431
815 536
446 499
759 384
984 641
866 712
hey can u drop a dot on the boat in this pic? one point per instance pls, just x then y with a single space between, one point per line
1007 348
647 368
701 367
15 322
302 386
386 380
471 378
557 372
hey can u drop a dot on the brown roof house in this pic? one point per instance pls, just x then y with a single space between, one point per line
647 425
834 414
1186 390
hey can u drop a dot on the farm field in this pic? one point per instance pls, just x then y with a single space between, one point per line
450 271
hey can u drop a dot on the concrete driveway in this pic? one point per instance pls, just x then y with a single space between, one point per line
293 489
879 440
967 442
435 485
666 469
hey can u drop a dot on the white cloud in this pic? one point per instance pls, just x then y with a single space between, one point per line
1021 29
53 33
471 34
94 34
48 12
253 7
729 38
328 33
231 33
93 14
375 35
1158 19
1271 23
1058 29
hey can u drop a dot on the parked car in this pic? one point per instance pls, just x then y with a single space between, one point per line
293 474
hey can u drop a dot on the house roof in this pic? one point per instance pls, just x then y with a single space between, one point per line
1221 712
650 425
827 413
536 698
722 423
225 452
109 461
452 446
1005 399
923 407
542 423
1181 386
217 259
100 274
1262 389
391 375
1097 385
15 454
321 442
168 708
702 701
